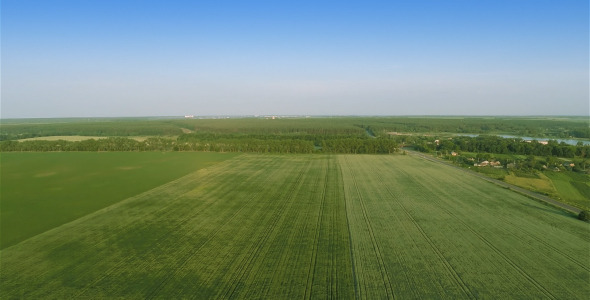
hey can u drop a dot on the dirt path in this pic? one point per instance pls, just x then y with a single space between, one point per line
517 189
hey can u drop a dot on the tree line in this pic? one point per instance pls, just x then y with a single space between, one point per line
499 145
212 144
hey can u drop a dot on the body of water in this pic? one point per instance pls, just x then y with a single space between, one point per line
528 138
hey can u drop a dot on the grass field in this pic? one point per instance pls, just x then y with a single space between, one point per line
573 188
539 183
310 226
43 190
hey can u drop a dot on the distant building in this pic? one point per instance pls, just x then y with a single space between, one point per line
485 163
495 163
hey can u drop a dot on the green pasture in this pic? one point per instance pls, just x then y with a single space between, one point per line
40 191
303 226
573 188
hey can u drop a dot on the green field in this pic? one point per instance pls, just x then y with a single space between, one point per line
309 226
572 188
43 190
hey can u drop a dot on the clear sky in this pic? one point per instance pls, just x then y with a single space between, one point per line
105 58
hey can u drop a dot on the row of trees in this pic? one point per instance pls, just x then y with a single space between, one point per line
223 144
527 163
494 144
88 128
542 127
246 145
360 146
108 144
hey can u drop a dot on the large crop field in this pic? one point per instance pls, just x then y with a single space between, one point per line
310 226
43 190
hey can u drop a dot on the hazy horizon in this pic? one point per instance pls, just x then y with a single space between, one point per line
372 58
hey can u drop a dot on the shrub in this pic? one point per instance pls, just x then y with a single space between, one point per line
584 216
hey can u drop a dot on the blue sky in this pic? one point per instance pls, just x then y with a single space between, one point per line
151 58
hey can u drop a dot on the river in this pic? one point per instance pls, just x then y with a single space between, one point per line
528 138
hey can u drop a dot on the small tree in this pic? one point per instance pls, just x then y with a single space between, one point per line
584 216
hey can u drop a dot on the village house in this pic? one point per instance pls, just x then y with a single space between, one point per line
495 163
485 163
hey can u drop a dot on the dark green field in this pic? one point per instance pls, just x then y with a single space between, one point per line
43 190
306 226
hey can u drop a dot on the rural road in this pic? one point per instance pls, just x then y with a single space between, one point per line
517 189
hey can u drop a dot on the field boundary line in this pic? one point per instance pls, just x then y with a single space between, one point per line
127 200
191 253
156 241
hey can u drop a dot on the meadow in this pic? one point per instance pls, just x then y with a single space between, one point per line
308 226
40 190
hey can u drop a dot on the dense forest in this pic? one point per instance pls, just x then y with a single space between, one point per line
219 144
371 135
554 127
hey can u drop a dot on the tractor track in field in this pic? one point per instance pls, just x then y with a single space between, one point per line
268 227
525 192
106 209
490 245
450 269
244 263
261 242
194 251
405 226
504 256
212 235
162 212
553 248
542 241
126 229
283 261
376 248
350 246
313 263
397 255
